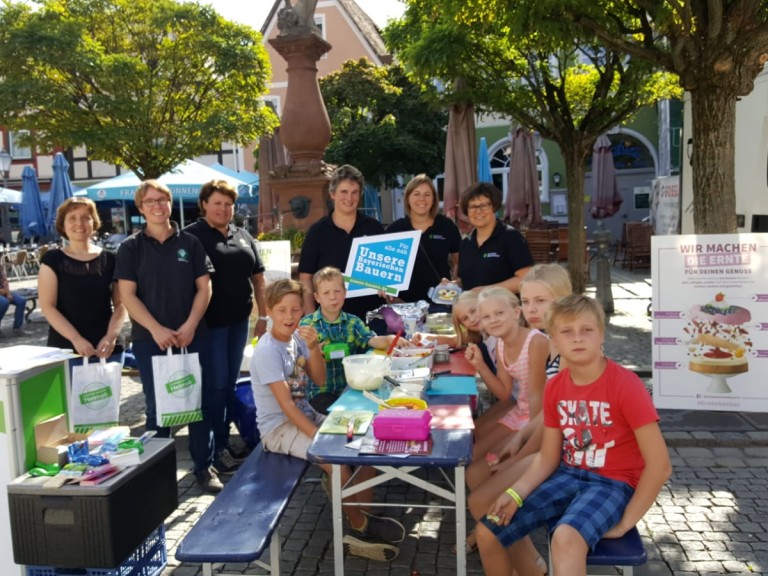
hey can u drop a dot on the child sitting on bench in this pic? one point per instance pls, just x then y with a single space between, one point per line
282 360
603 458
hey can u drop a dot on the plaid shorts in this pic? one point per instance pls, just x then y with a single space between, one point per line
590 503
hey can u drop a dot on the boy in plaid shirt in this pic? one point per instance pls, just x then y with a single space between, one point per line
340 333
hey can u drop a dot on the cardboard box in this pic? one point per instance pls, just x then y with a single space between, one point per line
52 439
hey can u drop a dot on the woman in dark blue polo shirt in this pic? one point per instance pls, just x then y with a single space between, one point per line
494 254
438 254
238 276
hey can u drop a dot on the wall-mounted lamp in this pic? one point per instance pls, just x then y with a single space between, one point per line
556 178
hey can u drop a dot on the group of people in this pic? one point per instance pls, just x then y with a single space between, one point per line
190 289
571 434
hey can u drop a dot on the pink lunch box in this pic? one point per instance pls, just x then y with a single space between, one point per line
402 424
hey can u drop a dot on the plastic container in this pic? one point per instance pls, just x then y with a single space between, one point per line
95 526
408 402
442 354
412 358
366 371
148 559
401 424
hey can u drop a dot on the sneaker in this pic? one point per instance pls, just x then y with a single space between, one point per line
225 464
20 332
209 481
382 528
368 548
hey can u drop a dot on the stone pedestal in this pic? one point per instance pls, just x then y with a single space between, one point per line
305 131
295 185
603 290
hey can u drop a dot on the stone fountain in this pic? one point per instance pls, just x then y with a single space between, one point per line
305 130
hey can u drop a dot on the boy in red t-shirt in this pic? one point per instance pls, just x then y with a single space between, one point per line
603 458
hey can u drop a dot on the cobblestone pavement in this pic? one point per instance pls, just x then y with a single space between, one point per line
707 520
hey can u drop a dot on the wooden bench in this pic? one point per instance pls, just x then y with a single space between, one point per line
625 553
242 521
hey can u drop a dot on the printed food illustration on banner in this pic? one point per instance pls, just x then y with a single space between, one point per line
710 321
719 340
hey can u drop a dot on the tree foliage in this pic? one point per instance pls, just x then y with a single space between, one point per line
716 47
143 84
383 123
543 74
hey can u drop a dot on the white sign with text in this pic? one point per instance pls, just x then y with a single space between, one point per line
710 321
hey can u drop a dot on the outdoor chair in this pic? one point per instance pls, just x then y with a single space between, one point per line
540 245
638 249
18 263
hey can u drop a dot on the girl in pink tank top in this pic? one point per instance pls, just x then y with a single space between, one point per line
521 356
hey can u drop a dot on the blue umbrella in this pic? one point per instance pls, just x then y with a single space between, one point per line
61 189
371 205
483 163
32 219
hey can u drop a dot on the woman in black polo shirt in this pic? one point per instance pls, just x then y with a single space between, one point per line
438 254
329 240
163 275
494 254
238 275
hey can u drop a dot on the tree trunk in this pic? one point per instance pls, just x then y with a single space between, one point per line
713 114
574 169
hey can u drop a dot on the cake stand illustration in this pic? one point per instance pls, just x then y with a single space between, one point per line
720 342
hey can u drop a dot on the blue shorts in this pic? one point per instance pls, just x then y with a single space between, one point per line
590 503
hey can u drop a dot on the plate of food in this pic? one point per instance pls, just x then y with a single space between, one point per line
445 293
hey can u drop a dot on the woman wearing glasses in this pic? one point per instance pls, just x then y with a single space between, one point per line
438 254
494 254
239 274
164 280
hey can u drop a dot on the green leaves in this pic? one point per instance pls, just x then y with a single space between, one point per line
383 123
142 83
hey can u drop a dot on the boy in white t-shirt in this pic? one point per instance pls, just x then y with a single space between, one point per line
283 360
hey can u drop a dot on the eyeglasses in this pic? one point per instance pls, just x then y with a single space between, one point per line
155 202
484 207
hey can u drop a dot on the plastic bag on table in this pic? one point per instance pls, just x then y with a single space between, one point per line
408 317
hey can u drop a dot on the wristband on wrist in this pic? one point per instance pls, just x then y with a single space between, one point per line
265 318
515 496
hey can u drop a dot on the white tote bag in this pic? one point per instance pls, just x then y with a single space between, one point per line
95 399
178 388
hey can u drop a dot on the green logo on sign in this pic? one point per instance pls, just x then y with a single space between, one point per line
181 384
95 396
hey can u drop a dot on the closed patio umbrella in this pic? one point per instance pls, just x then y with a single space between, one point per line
523 205
32 218
61 189
371 202
606 198
271 154
460 159
484 162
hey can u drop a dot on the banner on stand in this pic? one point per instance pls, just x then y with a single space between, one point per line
710 321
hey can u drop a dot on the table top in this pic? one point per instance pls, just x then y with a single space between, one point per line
449 447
